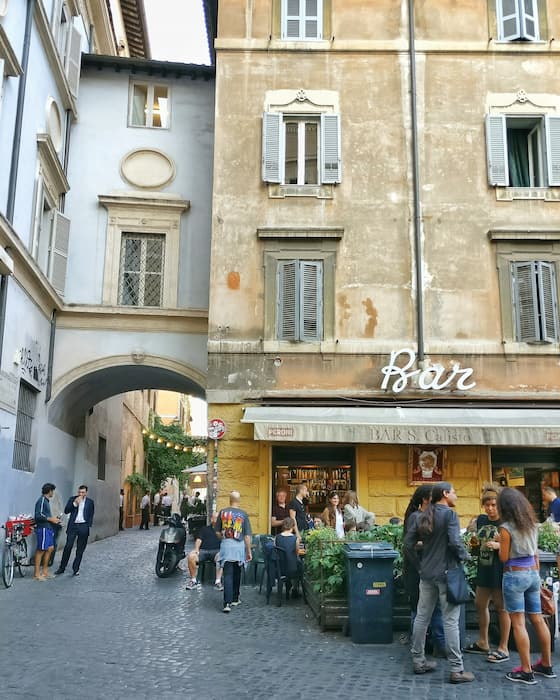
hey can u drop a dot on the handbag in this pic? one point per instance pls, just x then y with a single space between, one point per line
547 602
457 587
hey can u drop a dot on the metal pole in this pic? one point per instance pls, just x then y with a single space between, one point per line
416 187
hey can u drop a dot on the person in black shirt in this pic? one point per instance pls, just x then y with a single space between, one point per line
280 511
297 509
206 548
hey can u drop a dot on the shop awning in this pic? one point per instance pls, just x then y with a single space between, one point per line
407 426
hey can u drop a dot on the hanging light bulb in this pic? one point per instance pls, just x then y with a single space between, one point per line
169 444
152 436
144 431
160 440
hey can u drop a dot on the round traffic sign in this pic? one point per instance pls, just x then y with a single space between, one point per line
216 429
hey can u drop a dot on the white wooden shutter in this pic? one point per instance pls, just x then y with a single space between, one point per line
331 166
548 296
59 251
272 147
496 150
291 19
526 302
287 292
552 127
508 18
311 300
529 14
73 60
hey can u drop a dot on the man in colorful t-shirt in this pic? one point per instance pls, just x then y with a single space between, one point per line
233 527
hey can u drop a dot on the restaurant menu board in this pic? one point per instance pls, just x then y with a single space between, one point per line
320 480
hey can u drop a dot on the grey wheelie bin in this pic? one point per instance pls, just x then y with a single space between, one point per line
370 591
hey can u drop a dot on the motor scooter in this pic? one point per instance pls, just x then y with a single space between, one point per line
171 547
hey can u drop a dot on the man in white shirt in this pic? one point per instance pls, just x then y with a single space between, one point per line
145 510
81 510
166 503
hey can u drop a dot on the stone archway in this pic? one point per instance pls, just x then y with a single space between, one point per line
86 385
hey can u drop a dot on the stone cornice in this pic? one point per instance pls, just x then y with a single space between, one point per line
12 66
53 57
524 235
304 232
26 271
135 200
85 317
50 159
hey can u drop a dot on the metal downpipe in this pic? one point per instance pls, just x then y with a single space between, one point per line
416 188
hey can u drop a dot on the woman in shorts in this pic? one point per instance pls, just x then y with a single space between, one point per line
521 583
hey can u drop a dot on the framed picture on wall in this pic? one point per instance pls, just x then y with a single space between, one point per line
426 464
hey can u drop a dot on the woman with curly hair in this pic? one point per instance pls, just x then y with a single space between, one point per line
521 583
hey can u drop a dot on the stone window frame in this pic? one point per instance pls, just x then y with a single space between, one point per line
518 246
320 244
522 104
141 213
302 103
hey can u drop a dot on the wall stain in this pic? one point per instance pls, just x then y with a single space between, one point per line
371 311
233 280
345 306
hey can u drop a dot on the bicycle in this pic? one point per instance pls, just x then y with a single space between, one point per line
15 548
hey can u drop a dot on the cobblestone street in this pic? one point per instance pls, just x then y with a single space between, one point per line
118 632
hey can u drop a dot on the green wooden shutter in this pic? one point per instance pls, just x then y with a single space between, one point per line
272 146
59 252
548 297
508 19
526 302
311 300
287 292
496 150
331 166
552 128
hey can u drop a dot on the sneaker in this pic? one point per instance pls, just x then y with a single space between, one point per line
227 608
521 677
425 667
542 670
219 586
461 677
76 573
58 572
191 585
236 602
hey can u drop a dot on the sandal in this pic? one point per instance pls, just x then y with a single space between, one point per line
475 649
496 657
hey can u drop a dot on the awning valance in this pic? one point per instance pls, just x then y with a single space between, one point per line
407 426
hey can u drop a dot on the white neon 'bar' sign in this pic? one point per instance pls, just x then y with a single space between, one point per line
435 377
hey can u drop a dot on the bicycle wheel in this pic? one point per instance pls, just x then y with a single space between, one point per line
21 557
8 565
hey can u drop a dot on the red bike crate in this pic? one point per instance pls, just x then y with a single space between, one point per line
28 524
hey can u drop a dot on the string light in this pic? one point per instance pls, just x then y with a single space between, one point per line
199 446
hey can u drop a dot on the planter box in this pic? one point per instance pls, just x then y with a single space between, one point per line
331 611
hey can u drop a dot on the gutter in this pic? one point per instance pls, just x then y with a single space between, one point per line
418 257
16 144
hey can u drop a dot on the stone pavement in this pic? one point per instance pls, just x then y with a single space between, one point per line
118 632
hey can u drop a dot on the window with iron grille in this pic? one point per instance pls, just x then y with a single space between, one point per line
535 301
27 402
141 269
101 457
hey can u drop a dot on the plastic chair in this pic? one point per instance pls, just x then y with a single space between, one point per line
277 574
260 542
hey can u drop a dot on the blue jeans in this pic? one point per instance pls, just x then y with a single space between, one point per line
521 591
430 593
231 581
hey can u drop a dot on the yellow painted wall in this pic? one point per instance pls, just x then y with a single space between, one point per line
381 473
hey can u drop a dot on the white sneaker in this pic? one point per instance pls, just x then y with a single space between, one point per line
236 602
227 609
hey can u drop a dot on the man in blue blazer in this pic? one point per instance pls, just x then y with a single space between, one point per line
81 509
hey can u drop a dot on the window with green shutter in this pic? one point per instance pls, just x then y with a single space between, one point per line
300 300
535 301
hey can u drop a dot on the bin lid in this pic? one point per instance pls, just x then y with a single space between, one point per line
369 550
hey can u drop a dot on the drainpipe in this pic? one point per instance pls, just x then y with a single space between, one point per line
3 298
12 184
48 388
416 186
